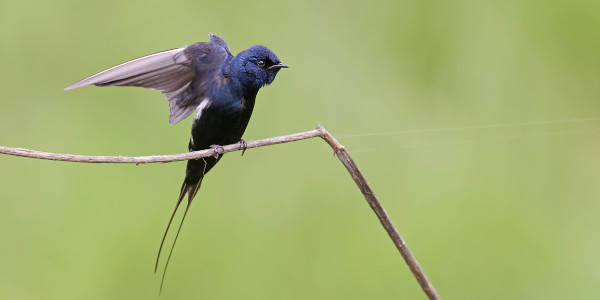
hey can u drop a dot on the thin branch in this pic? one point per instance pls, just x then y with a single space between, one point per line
157 158
369 195
321 132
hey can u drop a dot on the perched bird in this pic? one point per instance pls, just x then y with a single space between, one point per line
208 79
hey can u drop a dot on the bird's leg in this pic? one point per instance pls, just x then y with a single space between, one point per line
243 145
218 150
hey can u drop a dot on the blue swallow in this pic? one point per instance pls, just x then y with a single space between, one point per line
205 79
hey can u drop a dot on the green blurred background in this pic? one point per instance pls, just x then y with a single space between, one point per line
509 212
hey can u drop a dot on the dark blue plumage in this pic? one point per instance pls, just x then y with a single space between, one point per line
208 79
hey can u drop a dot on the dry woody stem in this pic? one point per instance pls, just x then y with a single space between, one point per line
320 131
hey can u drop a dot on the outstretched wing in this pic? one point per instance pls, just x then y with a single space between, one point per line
181 74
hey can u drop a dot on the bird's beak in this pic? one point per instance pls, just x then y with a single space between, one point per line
278 66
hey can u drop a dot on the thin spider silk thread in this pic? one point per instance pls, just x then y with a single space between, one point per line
472 127
566 132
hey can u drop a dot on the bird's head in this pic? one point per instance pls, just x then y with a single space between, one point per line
257 66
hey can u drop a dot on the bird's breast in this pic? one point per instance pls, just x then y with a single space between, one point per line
220 122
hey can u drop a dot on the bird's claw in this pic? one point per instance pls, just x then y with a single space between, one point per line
218 150
243 146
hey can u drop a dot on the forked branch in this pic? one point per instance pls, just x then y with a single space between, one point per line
338 149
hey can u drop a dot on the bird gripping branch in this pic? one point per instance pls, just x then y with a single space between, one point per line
208 79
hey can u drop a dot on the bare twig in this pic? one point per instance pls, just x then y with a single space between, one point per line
338 149
369 195
156 158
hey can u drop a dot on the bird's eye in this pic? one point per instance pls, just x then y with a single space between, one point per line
261 63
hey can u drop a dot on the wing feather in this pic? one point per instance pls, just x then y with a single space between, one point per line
182 74
157 64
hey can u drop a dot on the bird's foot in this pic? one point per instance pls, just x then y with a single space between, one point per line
218 150
243 146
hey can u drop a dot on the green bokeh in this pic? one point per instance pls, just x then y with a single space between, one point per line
491 213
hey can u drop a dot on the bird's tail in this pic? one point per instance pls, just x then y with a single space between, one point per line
196 169
191 191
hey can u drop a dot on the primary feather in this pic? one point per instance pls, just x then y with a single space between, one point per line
165 67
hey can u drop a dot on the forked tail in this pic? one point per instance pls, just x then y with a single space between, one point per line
196 169
191 191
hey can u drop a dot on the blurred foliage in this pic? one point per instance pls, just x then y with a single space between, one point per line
490 212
